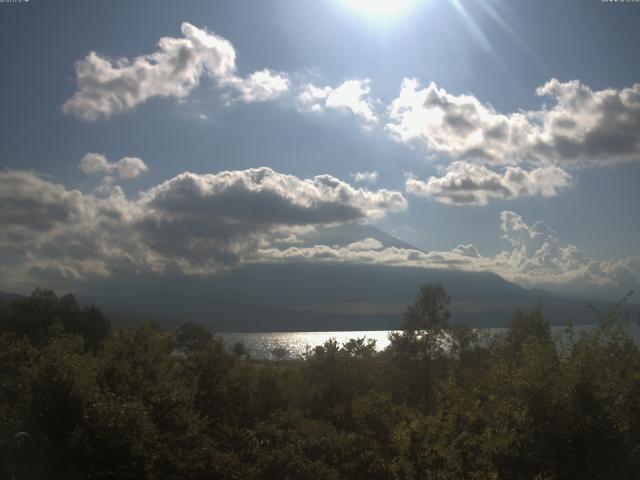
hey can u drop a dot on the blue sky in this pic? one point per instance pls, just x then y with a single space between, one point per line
478 64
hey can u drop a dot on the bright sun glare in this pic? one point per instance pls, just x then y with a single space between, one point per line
379 9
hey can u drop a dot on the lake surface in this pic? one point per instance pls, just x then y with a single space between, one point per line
273 344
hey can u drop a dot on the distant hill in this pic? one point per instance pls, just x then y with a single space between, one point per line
8 297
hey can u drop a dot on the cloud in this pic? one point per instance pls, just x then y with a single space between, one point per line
467 250
366 244
226 216
587 127
47 228
31 205
201 224
625 272
536 258
457 125
537 251
468 183
192 224
107 87
365 177
581 128
373 252
263 196
539 258
260 86
125 168
356 252
352 96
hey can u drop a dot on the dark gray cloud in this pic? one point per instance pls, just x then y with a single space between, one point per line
256 197
31 205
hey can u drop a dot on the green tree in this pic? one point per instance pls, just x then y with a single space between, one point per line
36 318
421 343
526 326
429 311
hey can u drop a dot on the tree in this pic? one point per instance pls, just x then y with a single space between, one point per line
192 337
415 349
39 316
527 325
430 310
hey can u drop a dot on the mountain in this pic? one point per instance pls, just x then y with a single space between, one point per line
347 233
9 297
325 297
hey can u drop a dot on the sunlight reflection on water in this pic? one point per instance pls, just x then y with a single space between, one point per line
265 345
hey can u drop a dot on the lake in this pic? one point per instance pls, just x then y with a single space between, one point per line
263 344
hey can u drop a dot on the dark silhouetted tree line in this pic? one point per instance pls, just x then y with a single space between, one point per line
79 401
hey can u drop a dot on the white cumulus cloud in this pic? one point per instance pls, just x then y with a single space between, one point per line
125 168
352 96
260 86
107 87
365 177
580 128
466 183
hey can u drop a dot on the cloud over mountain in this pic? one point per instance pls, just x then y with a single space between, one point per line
536 257
194 224
229 214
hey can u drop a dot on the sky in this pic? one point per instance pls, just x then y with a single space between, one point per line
194 137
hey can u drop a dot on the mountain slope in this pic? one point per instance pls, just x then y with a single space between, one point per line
308 297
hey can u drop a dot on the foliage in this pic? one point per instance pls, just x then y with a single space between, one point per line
430 311
78 401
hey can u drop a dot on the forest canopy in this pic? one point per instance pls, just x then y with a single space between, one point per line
81 400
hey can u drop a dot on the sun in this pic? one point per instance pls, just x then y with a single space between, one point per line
379 9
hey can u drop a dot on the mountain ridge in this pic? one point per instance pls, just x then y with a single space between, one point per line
325 296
